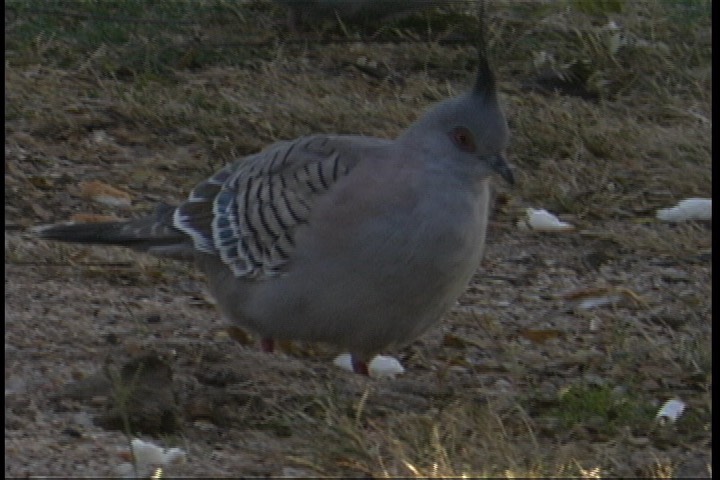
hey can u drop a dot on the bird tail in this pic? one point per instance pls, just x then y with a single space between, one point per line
153 234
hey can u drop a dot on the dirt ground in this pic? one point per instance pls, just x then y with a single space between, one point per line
241 411
518 379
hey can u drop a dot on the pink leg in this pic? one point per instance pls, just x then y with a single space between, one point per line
267 345
359 366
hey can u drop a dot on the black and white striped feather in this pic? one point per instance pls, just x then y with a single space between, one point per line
248 212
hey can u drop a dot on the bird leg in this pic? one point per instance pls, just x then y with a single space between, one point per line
267 345
359 366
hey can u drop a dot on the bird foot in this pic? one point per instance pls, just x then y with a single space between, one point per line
267 345
359 366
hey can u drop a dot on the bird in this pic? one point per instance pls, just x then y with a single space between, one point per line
356 241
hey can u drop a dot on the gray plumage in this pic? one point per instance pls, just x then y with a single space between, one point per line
360 242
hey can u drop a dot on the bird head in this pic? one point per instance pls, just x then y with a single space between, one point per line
468 131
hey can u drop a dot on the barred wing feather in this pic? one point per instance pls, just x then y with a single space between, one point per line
248 212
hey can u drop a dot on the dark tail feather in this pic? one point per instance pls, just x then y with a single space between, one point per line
152 234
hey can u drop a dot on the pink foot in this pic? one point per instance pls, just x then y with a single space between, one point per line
267 345
359 366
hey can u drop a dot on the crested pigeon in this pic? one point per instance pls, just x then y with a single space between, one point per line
359 242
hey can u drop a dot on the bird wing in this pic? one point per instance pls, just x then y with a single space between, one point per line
248 212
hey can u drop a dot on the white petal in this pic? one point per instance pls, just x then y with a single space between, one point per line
343 361
542 220
380 366
599 301
671 410
385 367
147 453
688 209
174 455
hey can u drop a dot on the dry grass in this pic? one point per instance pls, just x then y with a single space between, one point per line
153 107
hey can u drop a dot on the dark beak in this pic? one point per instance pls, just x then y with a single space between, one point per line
500 165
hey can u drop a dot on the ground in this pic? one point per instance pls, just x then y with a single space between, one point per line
609 105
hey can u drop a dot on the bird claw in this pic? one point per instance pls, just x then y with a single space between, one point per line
267 345
359 366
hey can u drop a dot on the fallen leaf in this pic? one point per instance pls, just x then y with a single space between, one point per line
100 192
42 183
589 298
454 341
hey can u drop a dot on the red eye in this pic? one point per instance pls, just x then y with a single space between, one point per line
463 139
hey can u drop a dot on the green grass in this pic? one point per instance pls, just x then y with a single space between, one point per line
601 408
